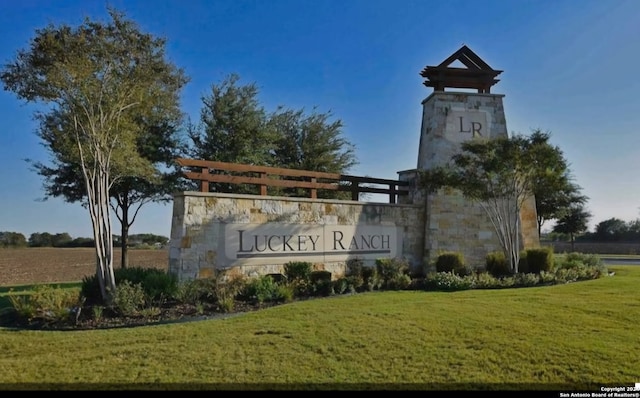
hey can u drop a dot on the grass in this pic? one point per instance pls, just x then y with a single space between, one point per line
576 336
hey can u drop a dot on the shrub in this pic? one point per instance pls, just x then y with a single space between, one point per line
497 265
341 285
50 304
228 287
398 282
355 283
159 285
539 259
529 279
391 271
523 265
189 292
90 289
284 293
323 288
321 283
129 298
573 259
450 262
226 303
371 279
317 276
484 280
261 289
448 281
298 271
547 278
354 267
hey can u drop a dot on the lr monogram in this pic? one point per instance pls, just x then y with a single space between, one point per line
474 128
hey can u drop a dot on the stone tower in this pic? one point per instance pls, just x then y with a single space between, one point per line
453 222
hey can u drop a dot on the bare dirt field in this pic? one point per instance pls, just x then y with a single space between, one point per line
43 265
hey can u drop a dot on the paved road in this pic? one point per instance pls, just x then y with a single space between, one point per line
620 261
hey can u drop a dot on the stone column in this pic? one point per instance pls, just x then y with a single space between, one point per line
453 222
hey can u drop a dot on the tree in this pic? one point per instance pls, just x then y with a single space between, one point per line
312 142
43 239
12 239
554 189
159 142
497 173
99 80
234 127
573 222
610 230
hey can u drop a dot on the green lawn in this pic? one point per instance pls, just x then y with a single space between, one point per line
580 335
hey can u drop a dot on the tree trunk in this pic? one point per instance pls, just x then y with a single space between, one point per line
124 241
99 209
124 230
572 242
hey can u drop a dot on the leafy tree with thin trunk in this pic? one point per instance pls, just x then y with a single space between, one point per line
98 80
554 189
159 142
573 222
499 174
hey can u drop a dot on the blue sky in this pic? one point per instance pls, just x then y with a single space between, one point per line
569 68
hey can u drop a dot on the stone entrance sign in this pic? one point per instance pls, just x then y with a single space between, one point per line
260 234
266 243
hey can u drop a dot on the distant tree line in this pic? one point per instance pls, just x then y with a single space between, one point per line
45 239
610 230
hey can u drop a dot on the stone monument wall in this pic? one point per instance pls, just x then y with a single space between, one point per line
257 235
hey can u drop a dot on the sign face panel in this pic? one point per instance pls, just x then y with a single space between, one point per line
466 125
269 243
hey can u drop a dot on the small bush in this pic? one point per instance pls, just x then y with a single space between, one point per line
391 271
355 283
484 280
159 285
497 264
90 289
523 265
573 260
189 292
321 284
354 267
50 304
371 279
448 281
284 293
398 282
317 276
226 288
450 262
226 303
261 289
539 259
298 271
341 285
129 298
323 287
526 280
547 278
